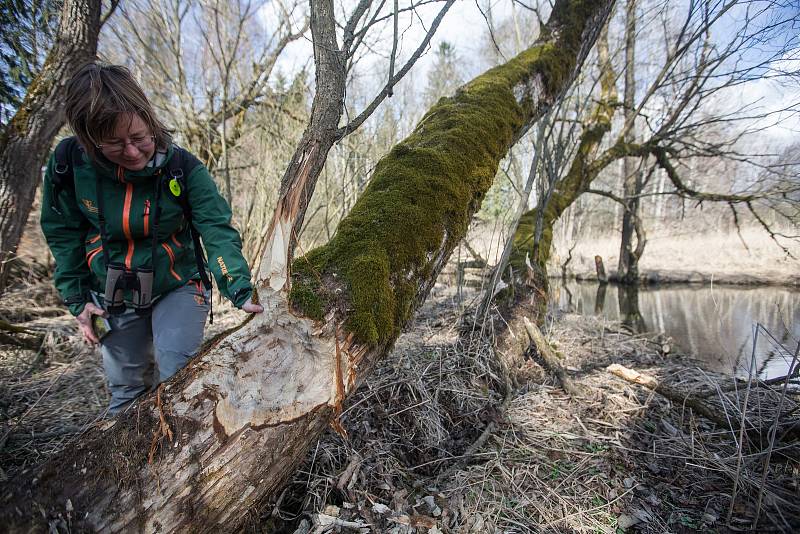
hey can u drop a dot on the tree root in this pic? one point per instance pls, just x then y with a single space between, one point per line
550 359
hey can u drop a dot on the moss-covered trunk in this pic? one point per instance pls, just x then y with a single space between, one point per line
530 254
228 430
422 195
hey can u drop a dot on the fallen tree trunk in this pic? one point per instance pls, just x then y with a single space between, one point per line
229 429
789 430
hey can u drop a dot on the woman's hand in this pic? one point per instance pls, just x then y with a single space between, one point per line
85 322
252 308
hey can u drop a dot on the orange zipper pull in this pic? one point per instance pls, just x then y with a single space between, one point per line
147 217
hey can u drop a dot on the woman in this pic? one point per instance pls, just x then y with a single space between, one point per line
120 230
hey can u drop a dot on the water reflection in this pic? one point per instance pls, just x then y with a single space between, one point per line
713 323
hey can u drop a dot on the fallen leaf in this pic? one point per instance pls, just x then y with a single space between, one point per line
422 521
379 508
625 521
331 510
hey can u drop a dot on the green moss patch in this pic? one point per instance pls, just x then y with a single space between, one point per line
422 196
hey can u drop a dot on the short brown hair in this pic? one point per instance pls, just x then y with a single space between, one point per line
96 97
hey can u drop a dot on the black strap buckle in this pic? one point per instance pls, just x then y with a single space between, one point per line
75 299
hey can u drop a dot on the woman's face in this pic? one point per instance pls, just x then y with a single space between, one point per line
131 145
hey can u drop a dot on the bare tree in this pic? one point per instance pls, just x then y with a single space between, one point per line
631 170
204 66
674 110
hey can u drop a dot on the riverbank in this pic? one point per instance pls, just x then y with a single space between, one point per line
663 276
703 257
671 256
436 443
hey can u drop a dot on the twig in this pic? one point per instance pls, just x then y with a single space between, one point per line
476 445
772 433
69 430
740 445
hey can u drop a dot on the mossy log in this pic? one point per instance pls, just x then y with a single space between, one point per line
228 430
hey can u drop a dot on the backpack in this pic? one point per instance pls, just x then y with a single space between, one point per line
63 178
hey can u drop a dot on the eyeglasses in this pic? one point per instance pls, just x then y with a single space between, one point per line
141 143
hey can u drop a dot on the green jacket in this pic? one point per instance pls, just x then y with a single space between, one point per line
128 208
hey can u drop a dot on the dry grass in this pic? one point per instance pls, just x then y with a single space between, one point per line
48 394
627 455
624 457
417 456
709 252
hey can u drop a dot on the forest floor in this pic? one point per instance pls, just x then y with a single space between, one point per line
436 442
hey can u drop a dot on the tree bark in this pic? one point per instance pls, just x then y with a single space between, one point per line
629 255
229 429
27 138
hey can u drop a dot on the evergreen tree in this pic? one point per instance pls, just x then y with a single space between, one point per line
27 28
444 76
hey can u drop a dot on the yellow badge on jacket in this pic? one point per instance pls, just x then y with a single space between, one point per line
175 187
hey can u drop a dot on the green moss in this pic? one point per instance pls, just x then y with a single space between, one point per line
422 195
307 296
303 297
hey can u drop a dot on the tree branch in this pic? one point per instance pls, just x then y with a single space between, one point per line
359 120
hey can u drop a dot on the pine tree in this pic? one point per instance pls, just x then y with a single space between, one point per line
445 75
28 27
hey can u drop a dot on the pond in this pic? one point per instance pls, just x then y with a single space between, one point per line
716 324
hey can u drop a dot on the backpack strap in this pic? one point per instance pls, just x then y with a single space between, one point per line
177 184
63 177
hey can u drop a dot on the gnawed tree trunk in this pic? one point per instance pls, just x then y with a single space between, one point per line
229 429
300 177
29 135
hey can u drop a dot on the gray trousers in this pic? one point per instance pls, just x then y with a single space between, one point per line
143 351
